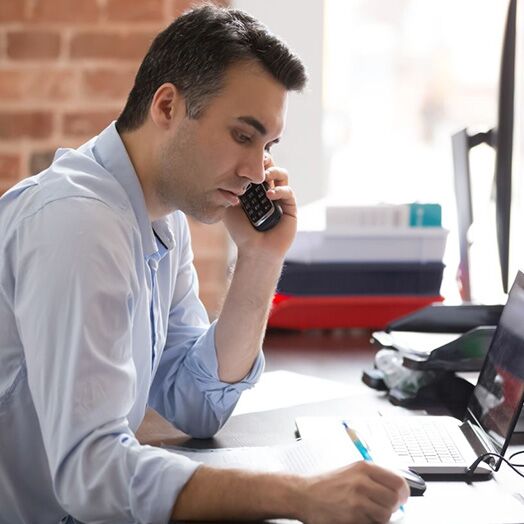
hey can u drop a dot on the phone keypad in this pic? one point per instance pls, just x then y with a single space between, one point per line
256 203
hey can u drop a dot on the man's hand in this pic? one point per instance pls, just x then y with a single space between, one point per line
258 266
275 242
359 493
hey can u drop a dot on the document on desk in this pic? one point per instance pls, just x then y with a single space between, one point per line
304 457
280 389
460 503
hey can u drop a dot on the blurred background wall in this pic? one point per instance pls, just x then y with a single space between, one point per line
66 67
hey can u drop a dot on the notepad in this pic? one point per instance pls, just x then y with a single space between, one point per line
304 457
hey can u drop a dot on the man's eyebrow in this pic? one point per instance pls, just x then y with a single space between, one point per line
253 122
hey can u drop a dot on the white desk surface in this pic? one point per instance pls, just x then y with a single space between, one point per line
266 416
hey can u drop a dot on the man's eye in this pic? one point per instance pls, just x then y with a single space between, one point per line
242 139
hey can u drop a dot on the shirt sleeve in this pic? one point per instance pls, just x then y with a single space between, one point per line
74 300
186 389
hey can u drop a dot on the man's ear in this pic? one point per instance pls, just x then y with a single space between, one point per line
167 103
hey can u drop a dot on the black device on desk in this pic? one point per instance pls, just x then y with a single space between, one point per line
440 318
424 367
417 485
440 351
439 340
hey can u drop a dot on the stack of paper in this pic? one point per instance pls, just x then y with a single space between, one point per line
370 244
368 266
304 457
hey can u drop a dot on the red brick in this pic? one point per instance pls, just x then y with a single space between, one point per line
10 168
40 160
22 45
210 245
111 45
30 124
180 6
87 123
37 84
12 11
213 301
4 186
142 11
108 83
65 11
211 271
209 240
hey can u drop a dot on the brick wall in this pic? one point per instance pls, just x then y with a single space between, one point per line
66 67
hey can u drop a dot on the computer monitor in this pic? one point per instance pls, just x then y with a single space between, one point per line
501 139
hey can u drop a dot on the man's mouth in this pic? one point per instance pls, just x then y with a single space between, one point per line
230 196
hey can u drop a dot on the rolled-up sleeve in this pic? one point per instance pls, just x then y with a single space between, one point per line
74 307
186 388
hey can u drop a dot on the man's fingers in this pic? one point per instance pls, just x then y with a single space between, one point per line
285 197
383 495
377 513
390 480
280 193
277 176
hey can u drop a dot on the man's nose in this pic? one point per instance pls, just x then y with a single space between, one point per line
253 168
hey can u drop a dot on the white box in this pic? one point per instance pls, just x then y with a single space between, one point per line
340 218
408 244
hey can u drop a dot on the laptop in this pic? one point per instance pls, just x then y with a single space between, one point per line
440 445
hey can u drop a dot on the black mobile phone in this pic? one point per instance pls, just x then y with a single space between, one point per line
262 212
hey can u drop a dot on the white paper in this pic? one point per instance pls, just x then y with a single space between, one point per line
304 457
479 503
281 389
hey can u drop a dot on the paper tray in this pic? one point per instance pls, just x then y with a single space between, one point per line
361 279
326 312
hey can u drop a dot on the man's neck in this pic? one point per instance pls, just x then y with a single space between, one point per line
137 144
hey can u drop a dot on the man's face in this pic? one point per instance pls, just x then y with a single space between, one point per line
207 161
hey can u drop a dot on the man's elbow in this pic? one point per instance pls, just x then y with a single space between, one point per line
206 426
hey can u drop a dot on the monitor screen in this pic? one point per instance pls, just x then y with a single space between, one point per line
497 398
504 141
501 138
517 204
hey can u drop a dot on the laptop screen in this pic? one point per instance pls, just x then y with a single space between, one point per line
497 398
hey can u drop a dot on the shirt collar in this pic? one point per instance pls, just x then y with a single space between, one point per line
112 155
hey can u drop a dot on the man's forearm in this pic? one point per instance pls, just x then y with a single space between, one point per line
213 494
356 494
241 326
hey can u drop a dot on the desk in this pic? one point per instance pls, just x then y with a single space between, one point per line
500 499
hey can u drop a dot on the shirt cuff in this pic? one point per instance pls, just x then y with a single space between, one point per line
202 363
155 489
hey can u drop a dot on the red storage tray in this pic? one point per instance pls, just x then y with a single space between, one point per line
320 312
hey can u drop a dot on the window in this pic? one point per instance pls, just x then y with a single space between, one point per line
400 77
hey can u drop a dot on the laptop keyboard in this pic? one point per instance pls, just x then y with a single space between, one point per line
421 441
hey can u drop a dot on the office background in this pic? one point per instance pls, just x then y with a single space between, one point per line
390 82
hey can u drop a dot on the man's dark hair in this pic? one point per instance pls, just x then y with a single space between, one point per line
194 52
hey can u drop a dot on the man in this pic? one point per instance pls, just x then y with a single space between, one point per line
99 313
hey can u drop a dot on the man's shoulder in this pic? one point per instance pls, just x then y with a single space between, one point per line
76 173
73 174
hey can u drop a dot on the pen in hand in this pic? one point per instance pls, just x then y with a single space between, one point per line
361 447
352 434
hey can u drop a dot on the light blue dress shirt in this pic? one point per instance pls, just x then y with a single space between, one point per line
99 318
